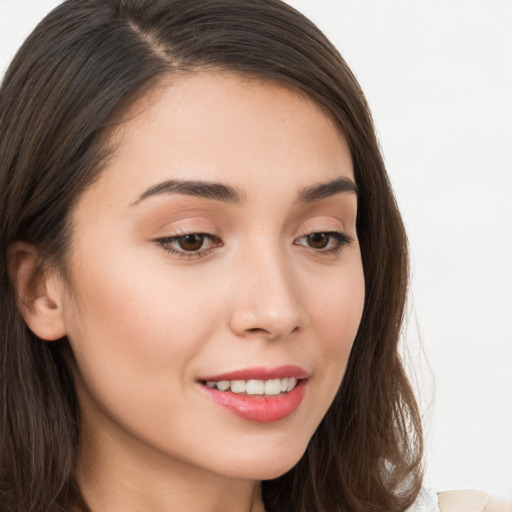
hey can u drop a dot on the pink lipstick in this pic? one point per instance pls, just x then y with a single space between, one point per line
262 373
258 394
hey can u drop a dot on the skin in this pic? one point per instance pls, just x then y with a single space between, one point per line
145 324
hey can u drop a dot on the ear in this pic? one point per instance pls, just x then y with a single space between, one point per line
38 293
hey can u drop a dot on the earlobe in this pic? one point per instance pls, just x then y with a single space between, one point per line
40 301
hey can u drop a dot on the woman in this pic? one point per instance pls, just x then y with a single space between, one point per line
203 269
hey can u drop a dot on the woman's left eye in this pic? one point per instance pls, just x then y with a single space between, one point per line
328 241
192 245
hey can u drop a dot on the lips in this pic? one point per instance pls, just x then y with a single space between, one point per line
255 387
259 394
261 373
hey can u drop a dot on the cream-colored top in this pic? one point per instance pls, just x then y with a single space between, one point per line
470 501
458 501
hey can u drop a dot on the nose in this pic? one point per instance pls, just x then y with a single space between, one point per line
266 298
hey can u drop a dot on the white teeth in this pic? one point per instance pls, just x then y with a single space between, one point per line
255 387
292 382
272 387
238 386
223 385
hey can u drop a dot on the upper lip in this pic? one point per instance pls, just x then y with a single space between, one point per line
261 373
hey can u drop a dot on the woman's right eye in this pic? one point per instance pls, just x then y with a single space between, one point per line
190 246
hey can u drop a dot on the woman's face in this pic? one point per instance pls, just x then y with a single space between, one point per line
218 245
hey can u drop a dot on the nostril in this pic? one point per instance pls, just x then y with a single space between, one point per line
258 330
266 321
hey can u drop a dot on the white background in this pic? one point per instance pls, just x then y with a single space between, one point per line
438 77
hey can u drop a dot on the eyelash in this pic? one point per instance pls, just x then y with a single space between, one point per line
169 244
340 239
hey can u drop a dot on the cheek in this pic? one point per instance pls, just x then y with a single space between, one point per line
337 309
342 316
136 338
129 321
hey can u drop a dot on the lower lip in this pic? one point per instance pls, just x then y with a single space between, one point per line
259 408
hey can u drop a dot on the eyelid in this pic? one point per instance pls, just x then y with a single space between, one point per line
341 240
194 229
176 223
167 244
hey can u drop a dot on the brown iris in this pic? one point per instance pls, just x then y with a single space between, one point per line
318 240
192 242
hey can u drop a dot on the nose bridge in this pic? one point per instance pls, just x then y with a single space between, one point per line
267 301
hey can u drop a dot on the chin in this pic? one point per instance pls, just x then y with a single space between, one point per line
266 467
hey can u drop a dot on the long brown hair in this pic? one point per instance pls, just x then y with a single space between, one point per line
82 66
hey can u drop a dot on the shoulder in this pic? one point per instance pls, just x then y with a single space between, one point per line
469 501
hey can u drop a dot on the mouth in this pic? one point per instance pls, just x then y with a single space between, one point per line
253 387
259 394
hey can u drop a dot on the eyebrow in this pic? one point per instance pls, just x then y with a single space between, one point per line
205 189
341 185
229 194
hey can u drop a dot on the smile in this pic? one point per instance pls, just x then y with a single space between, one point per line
270 387
263 395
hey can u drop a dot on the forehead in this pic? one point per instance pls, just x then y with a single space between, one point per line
225 127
